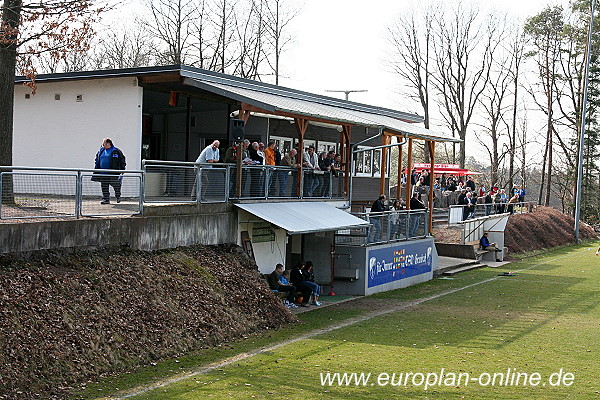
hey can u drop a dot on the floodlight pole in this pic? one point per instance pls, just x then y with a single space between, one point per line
582 133
347 92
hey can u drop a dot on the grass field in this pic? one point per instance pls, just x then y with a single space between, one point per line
534 335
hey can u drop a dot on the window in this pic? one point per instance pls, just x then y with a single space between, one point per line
368 163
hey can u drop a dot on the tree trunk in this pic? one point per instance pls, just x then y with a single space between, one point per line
11 11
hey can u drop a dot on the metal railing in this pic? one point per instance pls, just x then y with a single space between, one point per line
38 192
34 192
173 181
387 226
457 213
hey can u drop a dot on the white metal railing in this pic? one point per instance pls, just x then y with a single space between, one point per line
387 226
458 213
35 192
40 192
173 181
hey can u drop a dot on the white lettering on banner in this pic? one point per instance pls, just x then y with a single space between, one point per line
400 260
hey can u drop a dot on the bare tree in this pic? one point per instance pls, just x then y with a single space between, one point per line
411 40
462 52
251 34
545 30
517 52
493 99
223 21
124 48
171 24
277 16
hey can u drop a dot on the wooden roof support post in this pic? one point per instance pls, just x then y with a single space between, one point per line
385 140
244 115
301 127
408 177
431 145
347 157
399 186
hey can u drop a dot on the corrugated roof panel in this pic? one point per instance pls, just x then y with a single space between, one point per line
304 217
300 106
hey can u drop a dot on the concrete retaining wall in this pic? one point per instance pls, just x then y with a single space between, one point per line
151 232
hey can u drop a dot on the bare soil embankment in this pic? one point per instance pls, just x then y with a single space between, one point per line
69 317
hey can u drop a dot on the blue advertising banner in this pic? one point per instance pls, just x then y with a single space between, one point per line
398 262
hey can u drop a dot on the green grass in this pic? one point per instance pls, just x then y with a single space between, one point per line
545 318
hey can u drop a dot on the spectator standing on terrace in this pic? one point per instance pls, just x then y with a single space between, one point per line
414 176
210 154
451 185
270 159
501 200
231 155
396 220
289 160
109 157
488 203
311 160
443 182
415 204
258 182
511 203
470 183
279 283
377 207
521 193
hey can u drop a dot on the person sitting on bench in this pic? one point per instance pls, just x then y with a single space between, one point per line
485 244
279 283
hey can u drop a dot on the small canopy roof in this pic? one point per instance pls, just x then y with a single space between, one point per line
304 217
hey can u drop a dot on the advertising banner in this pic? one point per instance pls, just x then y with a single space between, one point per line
398 262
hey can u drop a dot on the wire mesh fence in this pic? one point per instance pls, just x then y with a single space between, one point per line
386 227
170 183
29 192
214 184
38 195
110 194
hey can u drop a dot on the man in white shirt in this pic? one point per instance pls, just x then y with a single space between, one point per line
210 154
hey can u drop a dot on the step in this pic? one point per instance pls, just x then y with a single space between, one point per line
462 269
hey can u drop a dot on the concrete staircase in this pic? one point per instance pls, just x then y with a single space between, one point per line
449 266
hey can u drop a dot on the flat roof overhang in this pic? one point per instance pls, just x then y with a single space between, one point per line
304 217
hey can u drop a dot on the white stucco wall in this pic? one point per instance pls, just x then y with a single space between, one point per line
66 133
266 254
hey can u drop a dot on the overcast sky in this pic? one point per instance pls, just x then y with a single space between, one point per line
341 45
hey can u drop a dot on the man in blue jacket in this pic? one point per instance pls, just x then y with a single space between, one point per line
109 157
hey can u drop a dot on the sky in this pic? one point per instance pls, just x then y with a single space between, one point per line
341 45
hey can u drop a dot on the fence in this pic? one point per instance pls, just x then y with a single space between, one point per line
36 192
172 181
30 192
457 213
387 226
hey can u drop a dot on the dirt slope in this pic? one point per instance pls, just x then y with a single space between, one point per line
65 318
544 228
